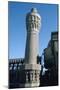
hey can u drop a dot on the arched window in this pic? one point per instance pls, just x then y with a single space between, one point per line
15 66
35 25
10 68
33 18
35 75
28 76
32 25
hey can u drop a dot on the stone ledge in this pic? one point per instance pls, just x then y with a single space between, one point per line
29 85
31 66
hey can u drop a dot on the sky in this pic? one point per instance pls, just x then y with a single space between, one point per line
17 26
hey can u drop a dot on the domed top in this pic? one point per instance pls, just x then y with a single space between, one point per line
34 10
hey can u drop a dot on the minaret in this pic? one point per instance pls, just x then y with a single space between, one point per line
33 23
30 71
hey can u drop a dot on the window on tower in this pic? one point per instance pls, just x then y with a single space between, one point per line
33 18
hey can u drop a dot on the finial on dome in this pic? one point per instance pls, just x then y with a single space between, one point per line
34 10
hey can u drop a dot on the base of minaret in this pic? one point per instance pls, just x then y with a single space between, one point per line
29 85
30 75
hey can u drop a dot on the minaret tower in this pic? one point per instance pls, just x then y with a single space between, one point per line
33 23
31 70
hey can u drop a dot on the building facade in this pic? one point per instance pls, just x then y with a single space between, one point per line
51 58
